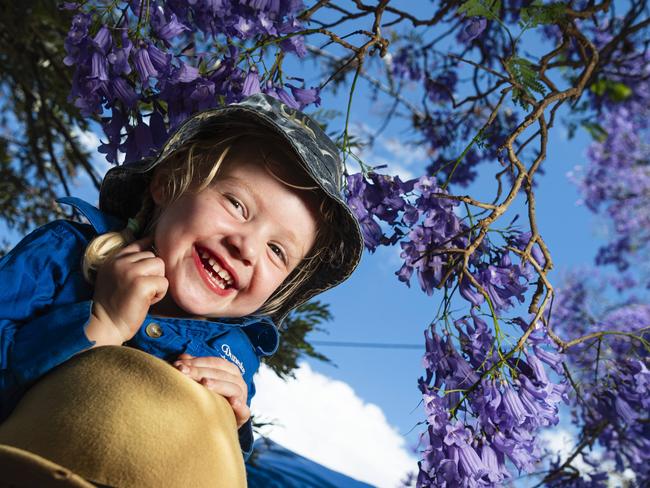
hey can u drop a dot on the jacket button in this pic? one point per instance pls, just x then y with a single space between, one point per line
154 330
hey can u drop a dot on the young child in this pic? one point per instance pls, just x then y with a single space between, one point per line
195 256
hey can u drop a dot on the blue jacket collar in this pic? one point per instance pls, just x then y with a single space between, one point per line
100 221
260 329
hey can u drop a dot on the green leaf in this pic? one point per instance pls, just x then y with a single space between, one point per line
599 88
299 323
595 130
619 91
615 90
537 13
481 8
526 75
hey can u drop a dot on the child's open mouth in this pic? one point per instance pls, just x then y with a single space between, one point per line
216 275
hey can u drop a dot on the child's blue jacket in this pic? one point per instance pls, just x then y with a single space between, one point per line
45 304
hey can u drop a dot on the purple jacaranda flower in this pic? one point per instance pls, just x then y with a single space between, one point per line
245 27
441 88
305 96
522 455
138 144
411 215
358 208
404 274
203 94
426 278
538 368
251 84
356 184
426 185
476 341
513 409
623 409
123 91
119 57
112 127
437 415
469 294
502 282
268 26
553 359
89 102
457 435
521 239
186 73
143 64
491 399
167 30
158 129
99 67
471 465
472 28
405 64
542 414
435 357
103 40
294 44
287 99
79 28
160 60
372 233
495 465
463 375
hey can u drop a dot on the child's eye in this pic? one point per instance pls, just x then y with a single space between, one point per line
278 252
239 206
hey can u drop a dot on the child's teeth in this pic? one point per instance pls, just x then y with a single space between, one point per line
222 273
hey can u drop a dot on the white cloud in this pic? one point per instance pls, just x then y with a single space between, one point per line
393 168
558 441
90 141
87 138
324 420
405 153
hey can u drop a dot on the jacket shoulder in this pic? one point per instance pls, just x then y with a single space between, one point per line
52 236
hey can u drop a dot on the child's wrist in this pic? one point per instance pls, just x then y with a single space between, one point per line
101 330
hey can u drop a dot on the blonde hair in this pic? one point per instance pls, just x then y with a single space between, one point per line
193 167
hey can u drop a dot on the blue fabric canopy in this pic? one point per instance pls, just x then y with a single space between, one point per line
274 466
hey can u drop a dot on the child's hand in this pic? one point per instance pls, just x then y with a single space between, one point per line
221 377
126 286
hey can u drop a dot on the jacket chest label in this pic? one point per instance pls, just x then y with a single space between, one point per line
225 348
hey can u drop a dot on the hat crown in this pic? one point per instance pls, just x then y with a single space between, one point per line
121 417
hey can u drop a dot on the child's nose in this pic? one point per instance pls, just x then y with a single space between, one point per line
244 246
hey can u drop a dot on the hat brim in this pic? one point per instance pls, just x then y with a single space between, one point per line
24 469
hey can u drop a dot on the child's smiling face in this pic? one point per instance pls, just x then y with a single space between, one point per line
227 248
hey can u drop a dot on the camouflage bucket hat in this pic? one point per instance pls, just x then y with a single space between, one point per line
123 186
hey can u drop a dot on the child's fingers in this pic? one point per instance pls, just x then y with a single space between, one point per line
152 266
198 373
211 362
228 391
152 288
140 245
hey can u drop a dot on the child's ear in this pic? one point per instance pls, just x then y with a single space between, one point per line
157 188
